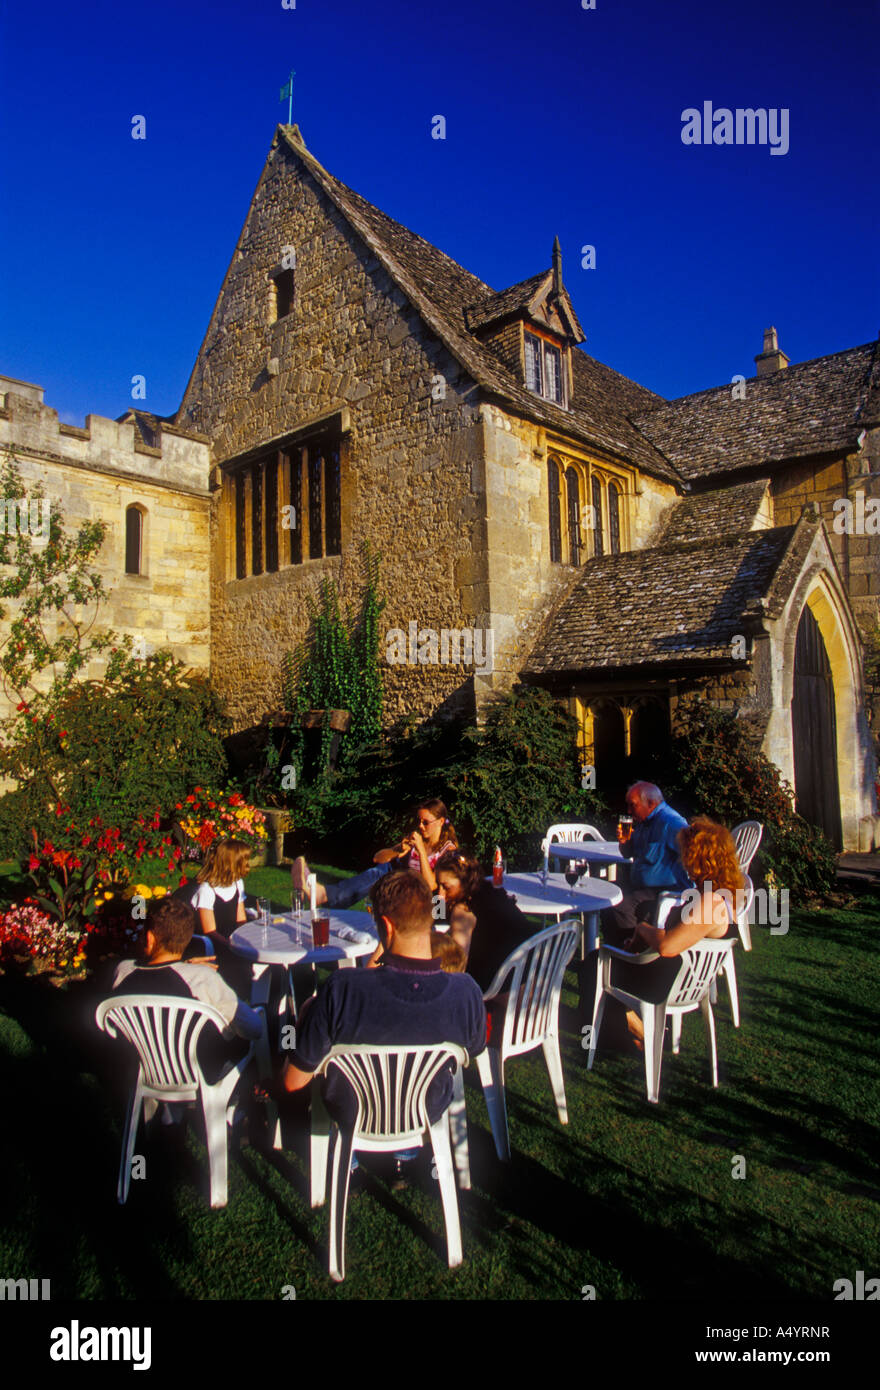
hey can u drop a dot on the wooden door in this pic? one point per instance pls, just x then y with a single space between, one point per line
814 732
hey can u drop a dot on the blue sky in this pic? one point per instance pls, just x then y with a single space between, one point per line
559 120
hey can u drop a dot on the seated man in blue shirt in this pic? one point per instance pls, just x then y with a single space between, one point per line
407 999
656 863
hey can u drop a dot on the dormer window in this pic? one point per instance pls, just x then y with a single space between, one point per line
544 369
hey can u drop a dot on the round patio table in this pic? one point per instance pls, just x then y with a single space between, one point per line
287 943
555 898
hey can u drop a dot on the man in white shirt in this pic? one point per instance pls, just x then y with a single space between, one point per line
169 929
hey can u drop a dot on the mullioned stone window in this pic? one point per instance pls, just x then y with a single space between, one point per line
588 518
287 506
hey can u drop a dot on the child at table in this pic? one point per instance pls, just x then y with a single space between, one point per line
453 958
219 902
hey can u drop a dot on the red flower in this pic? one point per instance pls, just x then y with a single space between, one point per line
33 863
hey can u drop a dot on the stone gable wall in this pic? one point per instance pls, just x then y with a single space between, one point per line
412 470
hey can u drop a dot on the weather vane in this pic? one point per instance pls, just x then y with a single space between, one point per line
287 91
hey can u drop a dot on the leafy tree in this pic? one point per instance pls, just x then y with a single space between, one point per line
131 743
48 581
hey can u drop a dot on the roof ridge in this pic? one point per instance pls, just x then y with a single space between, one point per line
793 367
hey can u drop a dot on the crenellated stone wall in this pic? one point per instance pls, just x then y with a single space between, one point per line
96 473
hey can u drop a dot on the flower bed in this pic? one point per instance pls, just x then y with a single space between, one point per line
30 936
205 816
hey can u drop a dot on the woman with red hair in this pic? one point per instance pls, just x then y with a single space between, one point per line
708 853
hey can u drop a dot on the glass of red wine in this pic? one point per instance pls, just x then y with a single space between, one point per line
573 871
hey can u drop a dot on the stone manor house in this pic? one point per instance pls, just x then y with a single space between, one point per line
356 384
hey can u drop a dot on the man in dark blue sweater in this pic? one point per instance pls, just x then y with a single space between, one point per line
406 1000
656 862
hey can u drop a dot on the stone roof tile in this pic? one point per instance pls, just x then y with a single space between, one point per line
672 606
808 408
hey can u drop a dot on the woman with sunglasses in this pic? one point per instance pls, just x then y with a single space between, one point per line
433 836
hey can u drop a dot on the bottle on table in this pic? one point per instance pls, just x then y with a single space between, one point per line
498 868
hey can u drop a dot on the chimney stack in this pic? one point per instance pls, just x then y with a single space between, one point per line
557 267
771 359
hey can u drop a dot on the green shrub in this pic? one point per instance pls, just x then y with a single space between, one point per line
716 769
799 857
716 764
134 742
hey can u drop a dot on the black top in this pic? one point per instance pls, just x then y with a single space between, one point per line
501 927
406 1002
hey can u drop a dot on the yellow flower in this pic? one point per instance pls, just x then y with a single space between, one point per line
107 897
160 891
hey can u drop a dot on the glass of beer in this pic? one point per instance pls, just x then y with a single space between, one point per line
624 828
320 931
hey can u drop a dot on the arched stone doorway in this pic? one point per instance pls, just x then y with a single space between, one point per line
814 731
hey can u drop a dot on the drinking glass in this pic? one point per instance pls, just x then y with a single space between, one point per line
296 914
263 909
320 931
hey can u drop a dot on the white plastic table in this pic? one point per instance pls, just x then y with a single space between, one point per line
288 944
555 898
593 851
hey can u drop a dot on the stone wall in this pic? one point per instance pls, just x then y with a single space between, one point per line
524 582
412 471
95 473
826 482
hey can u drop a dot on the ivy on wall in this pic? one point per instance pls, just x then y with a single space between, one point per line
337 667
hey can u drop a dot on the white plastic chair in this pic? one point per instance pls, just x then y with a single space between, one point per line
391 1088
165 1033
742 917
690 990
747 837
573 834
532 979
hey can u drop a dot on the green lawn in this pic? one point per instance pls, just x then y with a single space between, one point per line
638 1201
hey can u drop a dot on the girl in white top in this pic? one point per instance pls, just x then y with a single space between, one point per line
219 900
